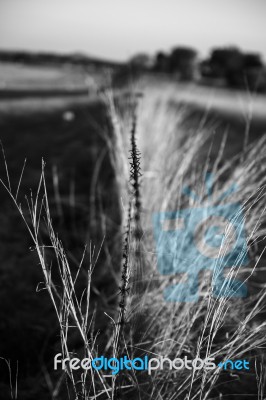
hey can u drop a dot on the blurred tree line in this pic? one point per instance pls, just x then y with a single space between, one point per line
237 69
182 61
46 58
226 66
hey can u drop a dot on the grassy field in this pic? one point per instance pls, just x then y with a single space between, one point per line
21 81
77 165
18 76
85 144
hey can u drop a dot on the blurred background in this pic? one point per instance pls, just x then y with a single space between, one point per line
57 59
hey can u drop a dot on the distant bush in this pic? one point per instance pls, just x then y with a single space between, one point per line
141 61
238 69
162 62
182 62
138 65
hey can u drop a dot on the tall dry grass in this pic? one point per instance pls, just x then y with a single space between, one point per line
223 327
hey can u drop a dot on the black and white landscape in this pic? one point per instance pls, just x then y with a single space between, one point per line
132 199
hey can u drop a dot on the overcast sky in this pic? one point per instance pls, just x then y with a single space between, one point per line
117 29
